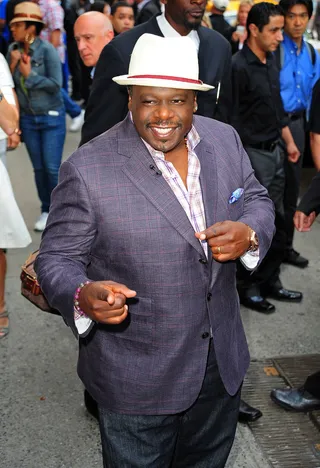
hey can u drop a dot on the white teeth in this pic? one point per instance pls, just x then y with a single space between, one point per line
163 131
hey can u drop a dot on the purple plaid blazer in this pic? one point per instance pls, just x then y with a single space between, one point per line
114 218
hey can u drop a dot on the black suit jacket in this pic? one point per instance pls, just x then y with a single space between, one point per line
311 200
108 102
151 9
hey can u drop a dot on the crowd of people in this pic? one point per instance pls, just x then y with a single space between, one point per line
184 189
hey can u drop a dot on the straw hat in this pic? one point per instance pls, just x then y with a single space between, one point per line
165 62
27 11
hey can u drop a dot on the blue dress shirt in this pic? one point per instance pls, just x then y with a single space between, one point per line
297 76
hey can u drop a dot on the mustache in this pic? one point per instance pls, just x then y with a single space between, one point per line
164 123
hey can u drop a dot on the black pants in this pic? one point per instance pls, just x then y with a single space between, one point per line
74 67
312 384
200 437
293 177
269 171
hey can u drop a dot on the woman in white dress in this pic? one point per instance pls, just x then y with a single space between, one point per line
13 231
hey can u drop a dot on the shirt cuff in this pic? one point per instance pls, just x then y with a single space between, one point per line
83 323
250 259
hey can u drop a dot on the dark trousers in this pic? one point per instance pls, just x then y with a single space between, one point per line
200 437
312 384
74 67
269 170
293 177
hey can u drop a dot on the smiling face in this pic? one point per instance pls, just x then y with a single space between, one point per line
162 116
184 15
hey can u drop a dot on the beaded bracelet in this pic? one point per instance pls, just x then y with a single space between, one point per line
76 298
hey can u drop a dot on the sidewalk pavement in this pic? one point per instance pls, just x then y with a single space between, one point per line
44 422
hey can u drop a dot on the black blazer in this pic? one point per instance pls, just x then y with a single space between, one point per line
151 9
311 200
108 102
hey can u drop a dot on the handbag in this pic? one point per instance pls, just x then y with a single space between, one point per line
30 288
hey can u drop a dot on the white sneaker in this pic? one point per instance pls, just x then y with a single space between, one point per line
77 122
41 222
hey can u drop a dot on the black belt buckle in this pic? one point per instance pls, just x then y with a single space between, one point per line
273 145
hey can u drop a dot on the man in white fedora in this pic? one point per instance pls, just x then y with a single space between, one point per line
139 258
108 102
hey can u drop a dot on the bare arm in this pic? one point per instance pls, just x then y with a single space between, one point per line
8 116
315 149
55 38
292 150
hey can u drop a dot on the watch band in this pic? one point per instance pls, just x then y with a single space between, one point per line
253 239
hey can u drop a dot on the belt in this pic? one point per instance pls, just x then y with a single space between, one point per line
296 115
265 145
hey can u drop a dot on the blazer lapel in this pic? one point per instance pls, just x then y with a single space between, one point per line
209 188
153 186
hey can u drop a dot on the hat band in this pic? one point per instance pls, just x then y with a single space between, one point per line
171 78
27 15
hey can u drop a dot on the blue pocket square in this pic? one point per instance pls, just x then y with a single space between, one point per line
236 195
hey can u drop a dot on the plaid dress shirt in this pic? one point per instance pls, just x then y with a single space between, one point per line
189 198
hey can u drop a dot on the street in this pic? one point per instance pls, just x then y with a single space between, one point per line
44 423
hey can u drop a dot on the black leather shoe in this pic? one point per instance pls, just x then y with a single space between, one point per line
91 405
248 413
282 294
257 303
294 258
295 399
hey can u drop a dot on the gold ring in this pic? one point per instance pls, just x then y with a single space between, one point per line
219 250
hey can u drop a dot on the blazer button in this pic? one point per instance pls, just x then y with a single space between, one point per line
209 296
205 335
203 261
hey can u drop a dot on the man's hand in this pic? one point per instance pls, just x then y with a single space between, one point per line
105 301
302 221
293 152
228 240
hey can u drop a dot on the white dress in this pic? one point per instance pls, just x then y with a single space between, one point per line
13 231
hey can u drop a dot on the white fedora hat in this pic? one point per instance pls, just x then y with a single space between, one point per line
165 62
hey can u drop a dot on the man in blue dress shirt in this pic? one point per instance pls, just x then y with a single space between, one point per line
299 70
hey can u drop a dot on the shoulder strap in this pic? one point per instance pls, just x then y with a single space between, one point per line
312 53
279 55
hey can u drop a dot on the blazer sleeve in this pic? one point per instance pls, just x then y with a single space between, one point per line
311 200
66 242
108 102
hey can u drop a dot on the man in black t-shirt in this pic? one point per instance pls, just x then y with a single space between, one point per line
259 118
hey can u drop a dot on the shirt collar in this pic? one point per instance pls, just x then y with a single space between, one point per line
287 41
168 31
251 56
